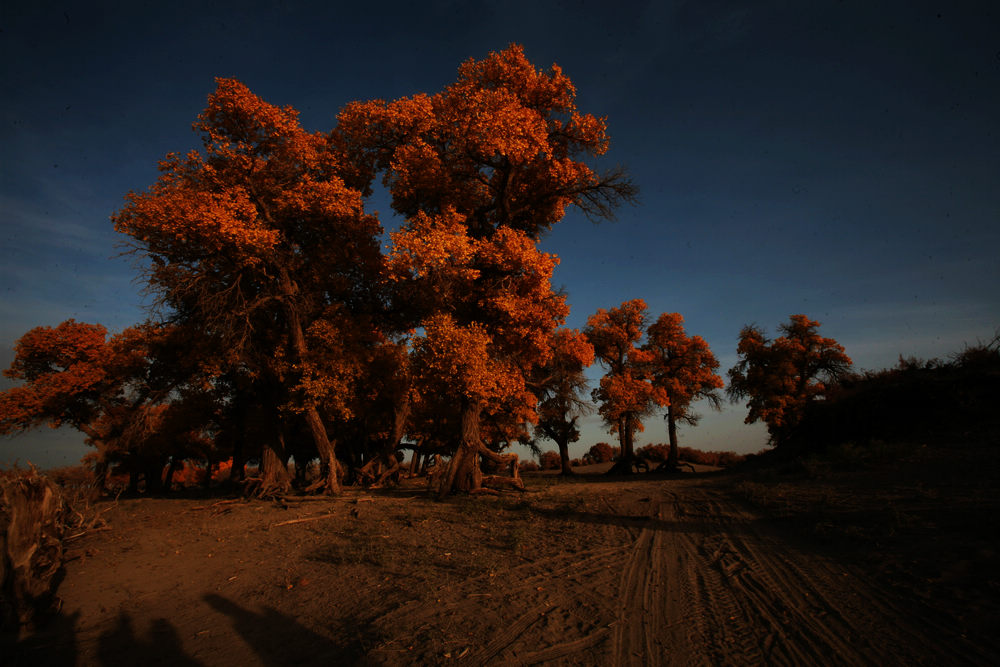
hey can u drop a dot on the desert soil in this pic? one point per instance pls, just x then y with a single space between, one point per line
672 571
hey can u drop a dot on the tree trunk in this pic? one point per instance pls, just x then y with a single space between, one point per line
168 482
275 479
327 452
463 472
628 449
152 471
326 448
563 444
673 458
400 414
625 432
239 470
100 478
207 482
237 434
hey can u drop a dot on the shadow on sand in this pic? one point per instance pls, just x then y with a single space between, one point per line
52 643
160 646
278 639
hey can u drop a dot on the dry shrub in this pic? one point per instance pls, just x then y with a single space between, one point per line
654 452
32 523
719 459
602 452
550 461
528 466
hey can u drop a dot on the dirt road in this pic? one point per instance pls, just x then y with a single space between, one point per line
657 572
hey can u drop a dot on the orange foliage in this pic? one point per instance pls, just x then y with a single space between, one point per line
683 366
283 308
260 228
73 374
258 245
63 368
500 146
193 474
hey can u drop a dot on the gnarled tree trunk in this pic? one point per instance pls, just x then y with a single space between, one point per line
275 480
325 447
463 472
626 431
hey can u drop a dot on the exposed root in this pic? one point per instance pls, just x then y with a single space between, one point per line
255 487
500 481
673 469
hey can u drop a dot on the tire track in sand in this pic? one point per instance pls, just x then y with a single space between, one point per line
708 582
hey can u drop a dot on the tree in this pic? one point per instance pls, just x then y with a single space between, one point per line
258 244
480 172
560 383
684 368
66 382
780 377
625 394
479 366
105 387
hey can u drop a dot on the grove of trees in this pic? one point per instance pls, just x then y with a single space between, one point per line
282 329
284 326
669 370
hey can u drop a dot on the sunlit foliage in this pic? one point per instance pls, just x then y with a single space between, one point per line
284 327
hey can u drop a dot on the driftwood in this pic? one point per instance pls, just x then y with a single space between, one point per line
33 520
664 467
500 462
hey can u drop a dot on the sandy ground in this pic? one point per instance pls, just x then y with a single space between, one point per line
672 571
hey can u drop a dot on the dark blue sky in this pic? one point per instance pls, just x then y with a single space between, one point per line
838 159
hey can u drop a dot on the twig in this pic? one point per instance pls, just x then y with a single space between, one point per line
86 532
214 505
303 520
